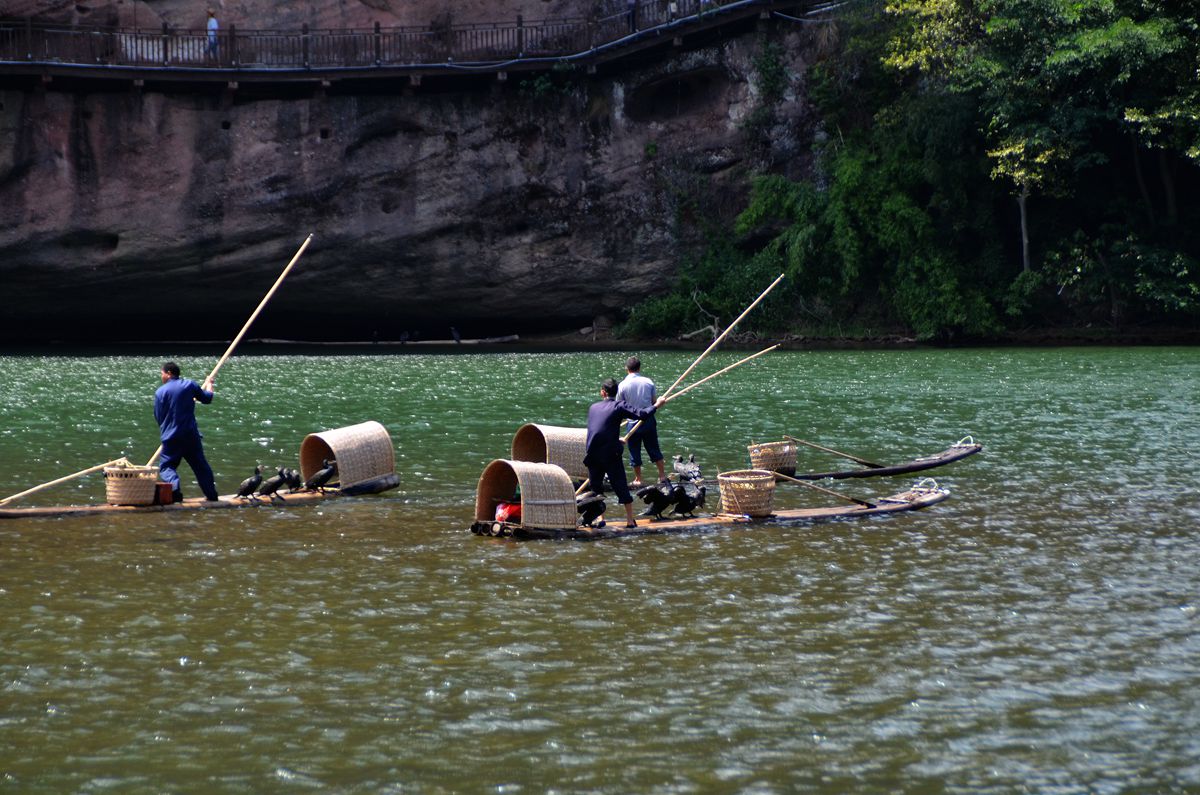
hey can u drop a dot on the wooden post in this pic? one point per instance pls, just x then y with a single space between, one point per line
166 35
378 45
520 36
233 46
304 44
28 38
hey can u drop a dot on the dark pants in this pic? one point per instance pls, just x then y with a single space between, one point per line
190 450
647 435
615 469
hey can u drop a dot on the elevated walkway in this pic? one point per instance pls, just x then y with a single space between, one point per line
378 58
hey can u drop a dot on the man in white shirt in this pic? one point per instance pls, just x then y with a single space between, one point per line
639 391
212 33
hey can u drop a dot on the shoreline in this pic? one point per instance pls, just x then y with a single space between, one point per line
576 341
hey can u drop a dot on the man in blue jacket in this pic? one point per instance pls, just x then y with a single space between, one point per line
604 446
175 411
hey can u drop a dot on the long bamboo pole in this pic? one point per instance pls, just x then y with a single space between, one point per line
855 459
699 359
690 387
815 487
724 333
253 316
63 479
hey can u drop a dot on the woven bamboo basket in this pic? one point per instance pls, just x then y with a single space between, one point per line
130 485
363 452
747 491
774 456
550 444
547 494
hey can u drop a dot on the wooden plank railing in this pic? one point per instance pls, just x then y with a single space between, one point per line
24 40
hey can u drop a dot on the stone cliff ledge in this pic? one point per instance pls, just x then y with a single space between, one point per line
518 207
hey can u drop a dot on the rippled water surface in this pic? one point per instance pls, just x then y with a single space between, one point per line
1035 632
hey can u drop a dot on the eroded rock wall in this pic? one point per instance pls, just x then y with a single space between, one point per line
498 208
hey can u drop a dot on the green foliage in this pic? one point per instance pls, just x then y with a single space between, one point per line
771 84
772 76
662 316
1116 273
561 81
937 112
935 303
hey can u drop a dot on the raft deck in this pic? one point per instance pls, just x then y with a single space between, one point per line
285 499
912 500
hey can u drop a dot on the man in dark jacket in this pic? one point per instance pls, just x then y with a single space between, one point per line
175 411
604 445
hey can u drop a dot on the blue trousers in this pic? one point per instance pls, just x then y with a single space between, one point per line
189 449
647 435
615 469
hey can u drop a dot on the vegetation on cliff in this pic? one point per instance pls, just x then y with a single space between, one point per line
986 166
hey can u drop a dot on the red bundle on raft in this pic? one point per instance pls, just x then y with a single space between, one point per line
508 512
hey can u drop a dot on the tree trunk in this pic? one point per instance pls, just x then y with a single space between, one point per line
1021 201
1168 182
1115 310
1141 180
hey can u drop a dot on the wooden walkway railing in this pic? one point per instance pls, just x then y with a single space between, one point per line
490 47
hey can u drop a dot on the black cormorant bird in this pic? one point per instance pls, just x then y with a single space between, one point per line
322 475
272 485
251 483
590 506
687 498
687 470
658 498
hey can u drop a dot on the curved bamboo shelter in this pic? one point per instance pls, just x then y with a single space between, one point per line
547 494
363 453
552 444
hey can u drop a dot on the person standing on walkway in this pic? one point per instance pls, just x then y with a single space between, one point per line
212 33
639 391
603 445
175 411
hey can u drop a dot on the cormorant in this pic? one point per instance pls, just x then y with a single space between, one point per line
590 506
322 475
687 470
687 498
272 485
658 498
251 483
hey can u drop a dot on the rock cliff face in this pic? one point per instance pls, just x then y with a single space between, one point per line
496 208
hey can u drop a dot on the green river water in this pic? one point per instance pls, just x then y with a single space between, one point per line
1037 632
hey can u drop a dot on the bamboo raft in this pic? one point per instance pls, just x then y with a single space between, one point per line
780 457
947 456
912 500
363 452
287 499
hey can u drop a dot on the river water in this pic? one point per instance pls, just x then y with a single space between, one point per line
1035 632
